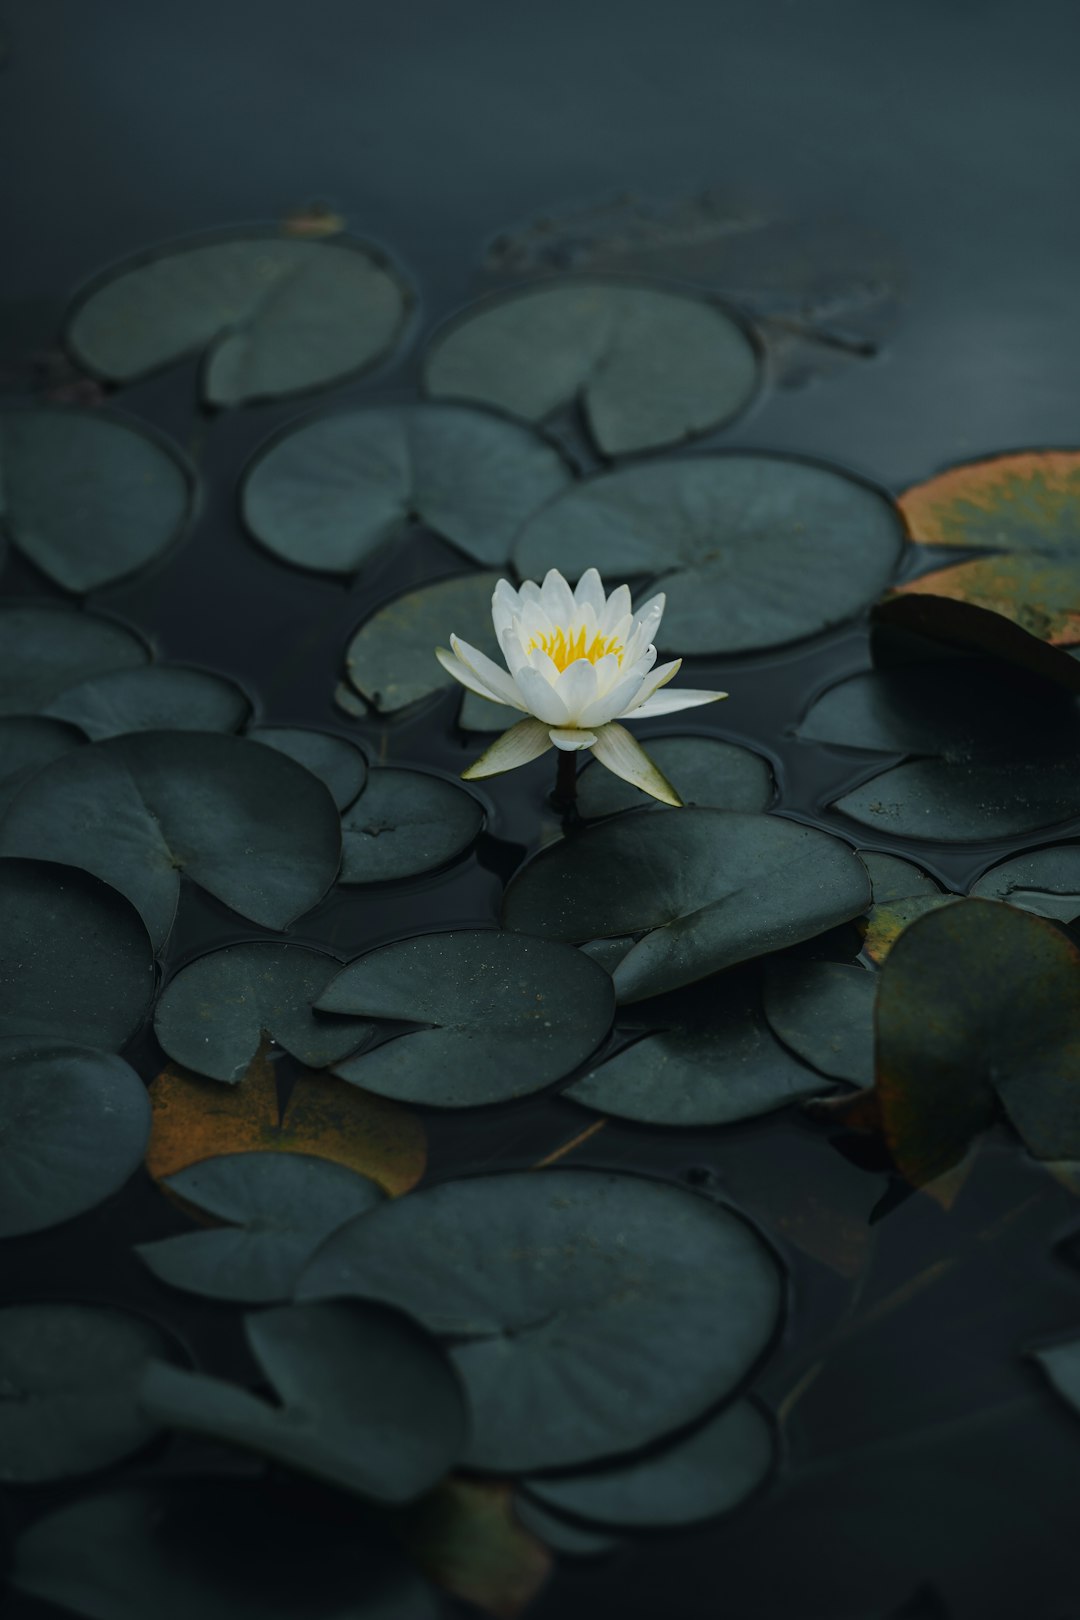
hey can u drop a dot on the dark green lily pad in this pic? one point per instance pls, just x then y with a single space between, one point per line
1046 882
88 497
825 1012
280 1207
575 1301
503 1015
893 879
704 770
391 658
160 697
44 649
26 744
67 1389
338 763
706 888
561 1535
405 823
707 1058
272 315
331 492
215 1012
75 960
1061 1364
139 810
367 1400
74 1125
950 803
978 1004
650 367
753 551
209 1549
701 1475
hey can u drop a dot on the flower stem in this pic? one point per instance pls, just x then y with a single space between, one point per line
564 797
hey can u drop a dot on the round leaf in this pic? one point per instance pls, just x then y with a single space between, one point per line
75 961
140 809
504 1015
405 823
952 803
650 367
589 1313
701 1475
391 659
338 763
367 1400
280 1207
706 888
26 744
69 1380
568 1539
1046 882
330 492
88 497
825 1012
160 697
753 551
894 879
215 1012
44 649
703 769
274 316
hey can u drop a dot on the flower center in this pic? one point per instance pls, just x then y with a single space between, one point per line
567 646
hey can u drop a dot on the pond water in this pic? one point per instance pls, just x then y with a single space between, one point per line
882 193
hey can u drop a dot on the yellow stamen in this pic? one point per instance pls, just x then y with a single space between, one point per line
567 646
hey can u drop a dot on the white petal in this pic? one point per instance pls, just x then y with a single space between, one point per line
461 672
617 607
653 609
571 738
610 705
557 597
540 697
512 650
672 702
522 743
590 593
529 592
658 678
609 672
638 647
486 670
577 687
544 665
505 606
624 755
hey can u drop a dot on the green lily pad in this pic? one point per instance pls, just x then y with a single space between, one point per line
215 1012
701 1475
1061 1364
272 316
893 879
503 1015
44 649
405 823
88 497
367 1400
650 367
706 889
753 551
331 492
26 744
159 697
280 1207
949 803
824 1011
70 1373
209 1549
561 1535
74 1125
139 810
703 769
574 1301
707 1058
391 658
75 961
1046 882
978 1005
338 763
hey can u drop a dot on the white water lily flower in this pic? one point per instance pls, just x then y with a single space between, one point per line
577 663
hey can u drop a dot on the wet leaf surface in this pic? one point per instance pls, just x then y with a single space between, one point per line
887 922
1046 882
704 770
26 744
649 367
503 1015
159 697
711 887
271 316
366 1400
391 659
573 1303
466 1538
894 879
215 1012
44 649
139 810
753 551
68 1380
333 491
279 1207
824 1011
338 763
405 823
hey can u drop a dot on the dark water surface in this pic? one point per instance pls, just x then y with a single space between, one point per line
911 169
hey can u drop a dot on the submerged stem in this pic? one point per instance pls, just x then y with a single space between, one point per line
564 796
